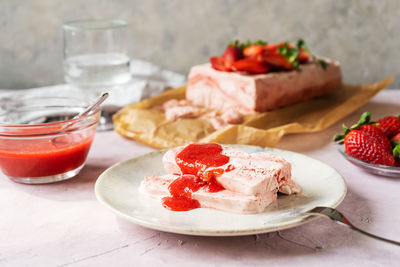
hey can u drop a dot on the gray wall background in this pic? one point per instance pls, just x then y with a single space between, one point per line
363 35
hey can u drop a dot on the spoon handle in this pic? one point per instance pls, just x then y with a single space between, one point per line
93 106
336 216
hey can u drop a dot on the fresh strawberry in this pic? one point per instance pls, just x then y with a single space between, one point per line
377 134
397 162
364 146
279 56
219 63
395 139
390 125
276 60
366 142
270 48
253 50
304 55
396 149
250 65
290 45
232 53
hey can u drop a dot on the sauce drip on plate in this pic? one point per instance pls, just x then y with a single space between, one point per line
194 160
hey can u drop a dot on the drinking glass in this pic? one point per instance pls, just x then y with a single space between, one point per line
96 58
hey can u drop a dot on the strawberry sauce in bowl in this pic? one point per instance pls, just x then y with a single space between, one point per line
41 141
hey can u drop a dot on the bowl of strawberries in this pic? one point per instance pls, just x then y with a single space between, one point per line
374 146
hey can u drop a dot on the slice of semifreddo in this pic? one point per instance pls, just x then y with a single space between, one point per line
286 184
249 174
225 200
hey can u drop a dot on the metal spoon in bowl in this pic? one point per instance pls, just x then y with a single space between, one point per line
336 216
37 117
92 107
88 110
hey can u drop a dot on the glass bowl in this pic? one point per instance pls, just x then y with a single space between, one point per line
382 170
41 141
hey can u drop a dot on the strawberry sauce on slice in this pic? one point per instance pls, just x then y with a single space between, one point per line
181 190
193 161
196 158
185 185
213 186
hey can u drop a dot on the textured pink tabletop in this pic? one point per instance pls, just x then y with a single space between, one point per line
62 224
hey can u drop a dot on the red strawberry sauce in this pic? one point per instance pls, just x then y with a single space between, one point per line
193 161
42 157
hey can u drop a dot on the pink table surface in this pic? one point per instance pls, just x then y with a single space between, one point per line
62 224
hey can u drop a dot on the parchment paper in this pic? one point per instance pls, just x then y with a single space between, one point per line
142 122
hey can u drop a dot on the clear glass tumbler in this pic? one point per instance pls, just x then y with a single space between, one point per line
95 53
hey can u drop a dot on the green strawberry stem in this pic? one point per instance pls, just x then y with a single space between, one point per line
396 150
242 46
364 119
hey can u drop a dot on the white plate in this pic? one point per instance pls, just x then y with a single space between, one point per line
117 189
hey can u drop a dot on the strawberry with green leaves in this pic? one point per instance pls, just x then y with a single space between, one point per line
253 51
366 142
277 61
219 63
390 125
395 141
232 53
261 57
250 65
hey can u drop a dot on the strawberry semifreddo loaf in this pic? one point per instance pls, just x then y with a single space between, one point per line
220 177
257 77
249 93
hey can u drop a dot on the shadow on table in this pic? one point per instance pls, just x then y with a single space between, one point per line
305 142
312 237
80 187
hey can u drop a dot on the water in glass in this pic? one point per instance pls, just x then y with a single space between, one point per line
97 69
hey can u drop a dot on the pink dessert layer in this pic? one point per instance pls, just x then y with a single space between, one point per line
183 109
249 174
157 187
249 93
